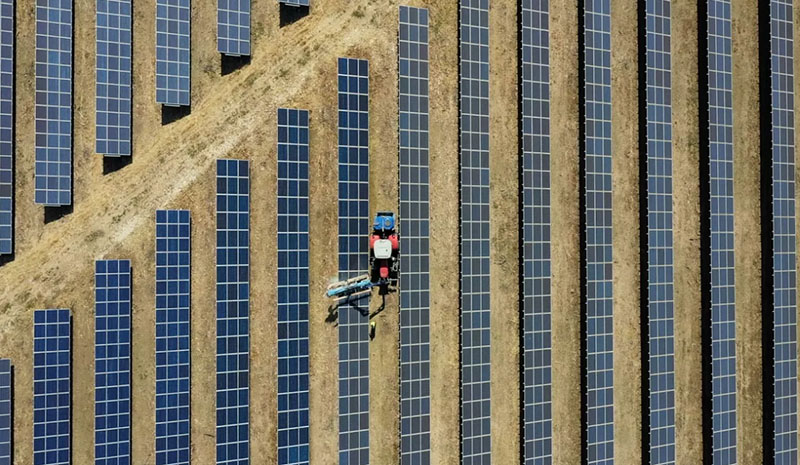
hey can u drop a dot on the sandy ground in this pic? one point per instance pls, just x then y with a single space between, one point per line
295 66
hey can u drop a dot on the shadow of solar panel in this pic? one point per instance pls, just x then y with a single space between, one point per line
173 52
51 386
233 27
113 90
474 227
293 381
6 127
6 388
353 85
536 300
112 362
173 336
414 227
233 312
723 299
53 125
599 252
784 257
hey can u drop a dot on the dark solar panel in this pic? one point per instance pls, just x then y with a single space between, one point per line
296 2
723 298
660 255
536 299
293 151
6 423
173 52
112 362
6 127
233 312
51 387
476 443
784 258
53 169
173 336
354 229
233 27
599 260
113 114
414 227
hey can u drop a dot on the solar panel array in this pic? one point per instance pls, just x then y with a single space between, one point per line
414 225
233 312
53 112
599 268
51 386
5 411
784 258
6 126
723 298
354 227
476 444
112 363
536 300
293 280
173 337
233 27
113 112
660 254
173 52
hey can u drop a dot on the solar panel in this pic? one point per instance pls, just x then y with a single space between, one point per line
112 362
476 444
660 254
53 167
5 411
6 126
537 376
599 260
296 2
113 112
233 312
723 298
293 433
173 336
784 258
354 227
414 225
173 52
51 386
233 27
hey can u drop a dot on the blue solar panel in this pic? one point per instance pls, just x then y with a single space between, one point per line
233 27
354 227
233 312
173 52
784 258
6 126
476 444
51 387
723 298
173 336
113 114
597 195
414 225
6 424
536 298
296 2
53 171
660 256
293 434
112 362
